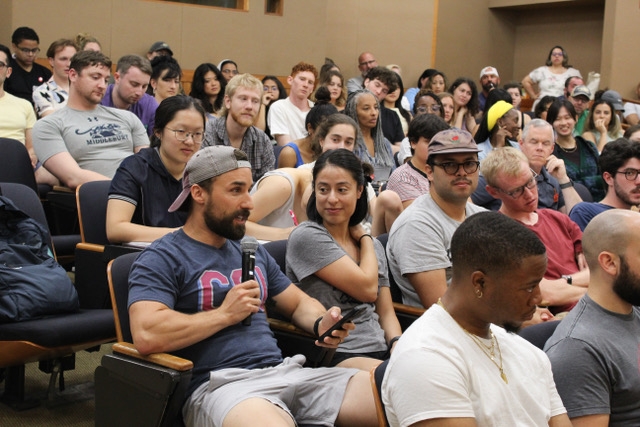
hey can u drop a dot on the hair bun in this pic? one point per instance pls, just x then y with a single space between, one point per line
323 96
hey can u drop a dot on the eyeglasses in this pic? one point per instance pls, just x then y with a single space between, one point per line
451 168
270 88
183 135
557 54
2 65
29 51
228 71
367 63
422 109
515 194
630 174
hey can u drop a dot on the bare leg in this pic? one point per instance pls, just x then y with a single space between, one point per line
248 412
358 407
362 363
387 208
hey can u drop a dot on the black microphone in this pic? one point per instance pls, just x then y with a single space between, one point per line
249 245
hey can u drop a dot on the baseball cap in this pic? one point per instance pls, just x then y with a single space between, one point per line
452 141
160 46
581 90
207 163
614 98
489 70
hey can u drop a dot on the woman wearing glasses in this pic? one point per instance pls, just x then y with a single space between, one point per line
580 156
146 183
228 68
549 79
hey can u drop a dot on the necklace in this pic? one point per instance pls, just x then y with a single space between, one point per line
568 150
488 350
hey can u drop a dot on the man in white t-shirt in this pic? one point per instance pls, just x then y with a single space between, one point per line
286 116
458 364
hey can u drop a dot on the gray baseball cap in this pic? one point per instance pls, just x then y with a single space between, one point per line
207 163
160 46
614 98
581 90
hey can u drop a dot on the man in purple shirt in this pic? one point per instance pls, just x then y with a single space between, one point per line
128 92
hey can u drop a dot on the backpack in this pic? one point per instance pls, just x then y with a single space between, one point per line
32 283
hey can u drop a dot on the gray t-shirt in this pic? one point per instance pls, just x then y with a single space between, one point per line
594 357
98 140
419 240
311 248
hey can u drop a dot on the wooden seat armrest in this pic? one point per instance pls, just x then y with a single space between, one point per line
281 325
93 247
63 189
407 309
163 359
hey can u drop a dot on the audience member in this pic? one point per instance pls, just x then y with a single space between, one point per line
371 147
185 297
448 107
345 267
413 91
17 120
456 365
632 110
551 77
555 189
515 90
366 61
159 48
26 73
633 133
393 102
235 127
85 41
128 92
465 98
273 91
286 116
296 153
569 84
425 102
594 350
498 128
580 156
146 183
420 237
52 95
614 98
165 78
334 82
381 82
541 108
437 83
85 141
410 180
602 125
619 164
489 80
209 86
510 179
228 68
580 98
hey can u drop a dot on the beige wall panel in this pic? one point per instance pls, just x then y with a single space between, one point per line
6 6
579 32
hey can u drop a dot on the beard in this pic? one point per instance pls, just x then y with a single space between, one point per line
627 284
224 227
488 87
241 119
625 197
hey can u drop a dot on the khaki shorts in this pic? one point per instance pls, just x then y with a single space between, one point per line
308 395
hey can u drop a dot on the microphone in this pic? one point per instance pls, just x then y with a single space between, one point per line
249 245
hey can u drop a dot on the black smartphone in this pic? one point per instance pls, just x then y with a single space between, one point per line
346 317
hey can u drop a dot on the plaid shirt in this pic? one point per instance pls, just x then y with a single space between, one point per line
255 143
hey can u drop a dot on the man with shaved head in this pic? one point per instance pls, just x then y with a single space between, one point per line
595 350
366 61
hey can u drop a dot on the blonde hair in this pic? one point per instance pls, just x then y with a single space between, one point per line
241 80
505 160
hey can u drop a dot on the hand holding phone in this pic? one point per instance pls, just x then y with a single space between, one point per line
347 317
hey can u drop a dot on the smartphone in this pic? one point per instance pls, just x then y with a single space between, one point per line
346 317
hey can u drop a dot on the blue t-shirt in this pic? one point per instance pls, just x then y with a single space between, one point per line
143 181
583 212
189 276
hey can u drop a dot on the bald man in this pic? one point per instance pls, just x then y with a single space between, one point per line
366 61
595 350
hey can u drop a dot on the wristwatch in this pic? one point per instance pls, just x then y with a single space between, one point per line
569 279
566 185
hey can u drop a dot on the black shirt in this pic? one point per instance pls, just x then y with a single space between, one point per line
21 83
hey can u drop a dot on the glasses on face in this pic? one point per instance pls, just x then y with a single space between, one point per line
423 109
557 54
29 51
630 174
520 190
368 63
270 88
183 135
229 71
451 168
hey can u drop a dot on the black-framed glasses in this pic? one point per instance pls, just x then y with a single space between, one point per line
27 51
516 193
630 173
422 109
183 135
451 168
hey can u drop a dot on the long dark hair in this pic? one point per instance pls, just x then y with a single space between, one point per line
197 87
473 106
398 103
168 109
348 161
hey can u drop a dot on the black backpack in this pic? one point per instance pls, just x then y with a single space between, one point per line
32 283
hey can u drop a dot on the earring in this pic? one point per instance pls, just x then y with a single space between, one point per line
479 293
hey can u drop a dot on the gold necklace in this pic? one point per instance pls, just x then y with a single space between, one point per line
488 350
